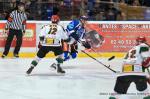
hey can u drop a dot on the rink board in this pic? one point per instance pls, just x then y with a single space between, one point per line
119 37
81 55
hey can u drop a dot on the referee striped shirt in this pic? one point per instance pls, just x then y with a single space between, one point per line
16 20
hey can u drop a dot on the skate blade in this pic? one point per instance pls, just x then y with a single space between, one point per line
52 68
60 74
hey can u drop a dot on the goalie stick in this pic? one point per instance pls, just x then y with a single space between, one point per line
107 66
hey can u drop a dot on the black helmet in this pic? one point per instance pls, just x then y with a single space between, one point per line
83 17
21 4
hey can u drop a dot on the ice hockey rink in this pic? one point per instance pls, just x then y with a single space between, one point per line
84 79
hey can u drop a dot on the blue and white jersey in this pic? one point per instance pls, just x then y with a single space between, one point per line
75 29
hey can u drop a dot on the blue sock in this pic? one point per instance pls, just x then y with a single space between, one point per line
66 56
74 55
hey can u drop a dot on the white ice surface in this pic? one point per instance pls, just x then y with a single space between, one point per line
84 79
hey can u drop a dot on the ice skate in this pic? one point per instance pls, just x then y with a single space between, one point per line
30 70
59 69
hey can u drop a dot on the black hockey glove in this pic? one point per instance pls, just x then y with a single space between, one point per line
39 45
75 36
67 40
86 45
42 38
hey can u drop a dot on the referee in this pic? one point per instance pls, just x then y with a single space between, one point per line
15 26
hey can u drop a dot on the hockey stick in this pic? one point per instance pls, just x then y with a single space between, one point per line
107 66
109 59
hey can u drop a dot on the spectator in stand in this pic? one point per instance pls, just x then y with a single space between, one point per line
129 2
147 3
90 4
2 17
67 7
112 13
122 1
29 15
136 3
90 9
104 4
49 12
68 3
147 14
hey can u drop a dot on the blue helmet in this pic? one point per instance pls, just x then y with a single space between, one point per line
83 17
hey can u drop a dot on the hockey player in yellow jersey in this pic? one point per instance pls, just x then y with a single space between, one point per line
50 40
135 63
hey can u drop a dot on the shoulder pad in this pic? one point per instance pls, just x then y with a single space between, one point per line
73 24
44 26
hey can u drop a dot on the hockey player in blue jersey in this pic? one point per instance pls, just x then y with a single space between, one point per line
76 32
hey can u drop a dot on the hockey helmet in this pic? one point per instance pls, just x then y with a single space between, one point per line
141 39
83 17
55 19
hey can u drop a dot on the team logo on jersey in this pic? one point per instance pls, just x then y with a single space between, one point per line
70 26
127 68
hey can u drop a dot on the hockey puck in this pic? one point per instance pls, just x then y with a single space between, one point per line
111 58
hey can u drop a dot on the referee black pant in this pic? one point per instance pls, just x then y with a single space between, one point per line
11 34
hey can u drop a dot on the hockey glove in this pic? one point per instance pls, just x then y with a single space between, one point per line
67 40
39 45
146 63
75 36
41 38
86 45
148 80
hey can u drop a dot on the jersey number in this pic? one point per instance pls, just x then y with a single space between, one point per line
53 29
133 52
